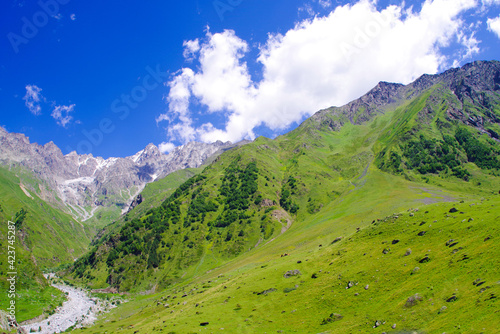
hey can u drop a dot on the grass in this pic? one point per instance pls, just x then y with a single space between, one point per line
228 297
33 302
41 242
45 229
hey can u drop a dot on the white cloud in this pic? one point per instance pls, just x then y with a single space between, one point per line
470 46
321 62
325 3
166 147
61 114
494 26
190 48
33 98
73 17
486 4
307 8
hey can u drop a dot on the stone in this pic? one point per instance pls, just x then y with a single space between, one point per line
336 240
393 326
413 300
453 210
425 259
442 309
408 252
291 273
395 241
333 317
451 299
204 324
268 291
367 287
421 234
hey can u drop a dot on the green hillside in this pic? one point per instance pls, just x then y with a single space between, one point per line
334 178
425 270
45 237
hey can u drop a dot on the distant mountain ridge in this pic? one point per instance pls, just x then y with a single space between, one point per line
82 184
474 84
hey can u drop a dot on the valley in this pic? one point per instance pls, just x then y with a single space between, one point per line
377 216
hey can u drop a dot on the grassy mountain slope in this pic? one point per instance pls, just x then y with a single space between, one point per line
44 230
152 196
156 192
443 281
398 147
45 237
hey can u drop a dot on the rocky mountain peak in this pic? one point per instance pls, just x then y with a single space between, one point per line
86 183
474 83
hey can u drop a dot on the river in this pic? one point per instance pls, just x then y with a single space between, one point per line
79 309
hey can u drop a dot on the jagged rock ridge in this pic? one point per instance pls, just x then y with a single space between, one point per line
476 83
81 184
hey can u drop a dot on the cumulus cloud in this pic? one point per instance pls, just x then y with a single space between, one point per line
190 48
494 26
73 17
321 62
33 98
61 114
166 147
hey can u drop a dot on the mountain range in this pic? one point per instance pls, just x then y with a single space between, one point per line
380 215
83 184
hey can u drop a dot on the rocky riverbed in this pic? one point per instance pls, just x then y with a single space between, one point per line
79 310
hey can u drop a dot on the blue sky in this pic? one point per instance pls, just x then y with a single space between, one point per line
109 77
